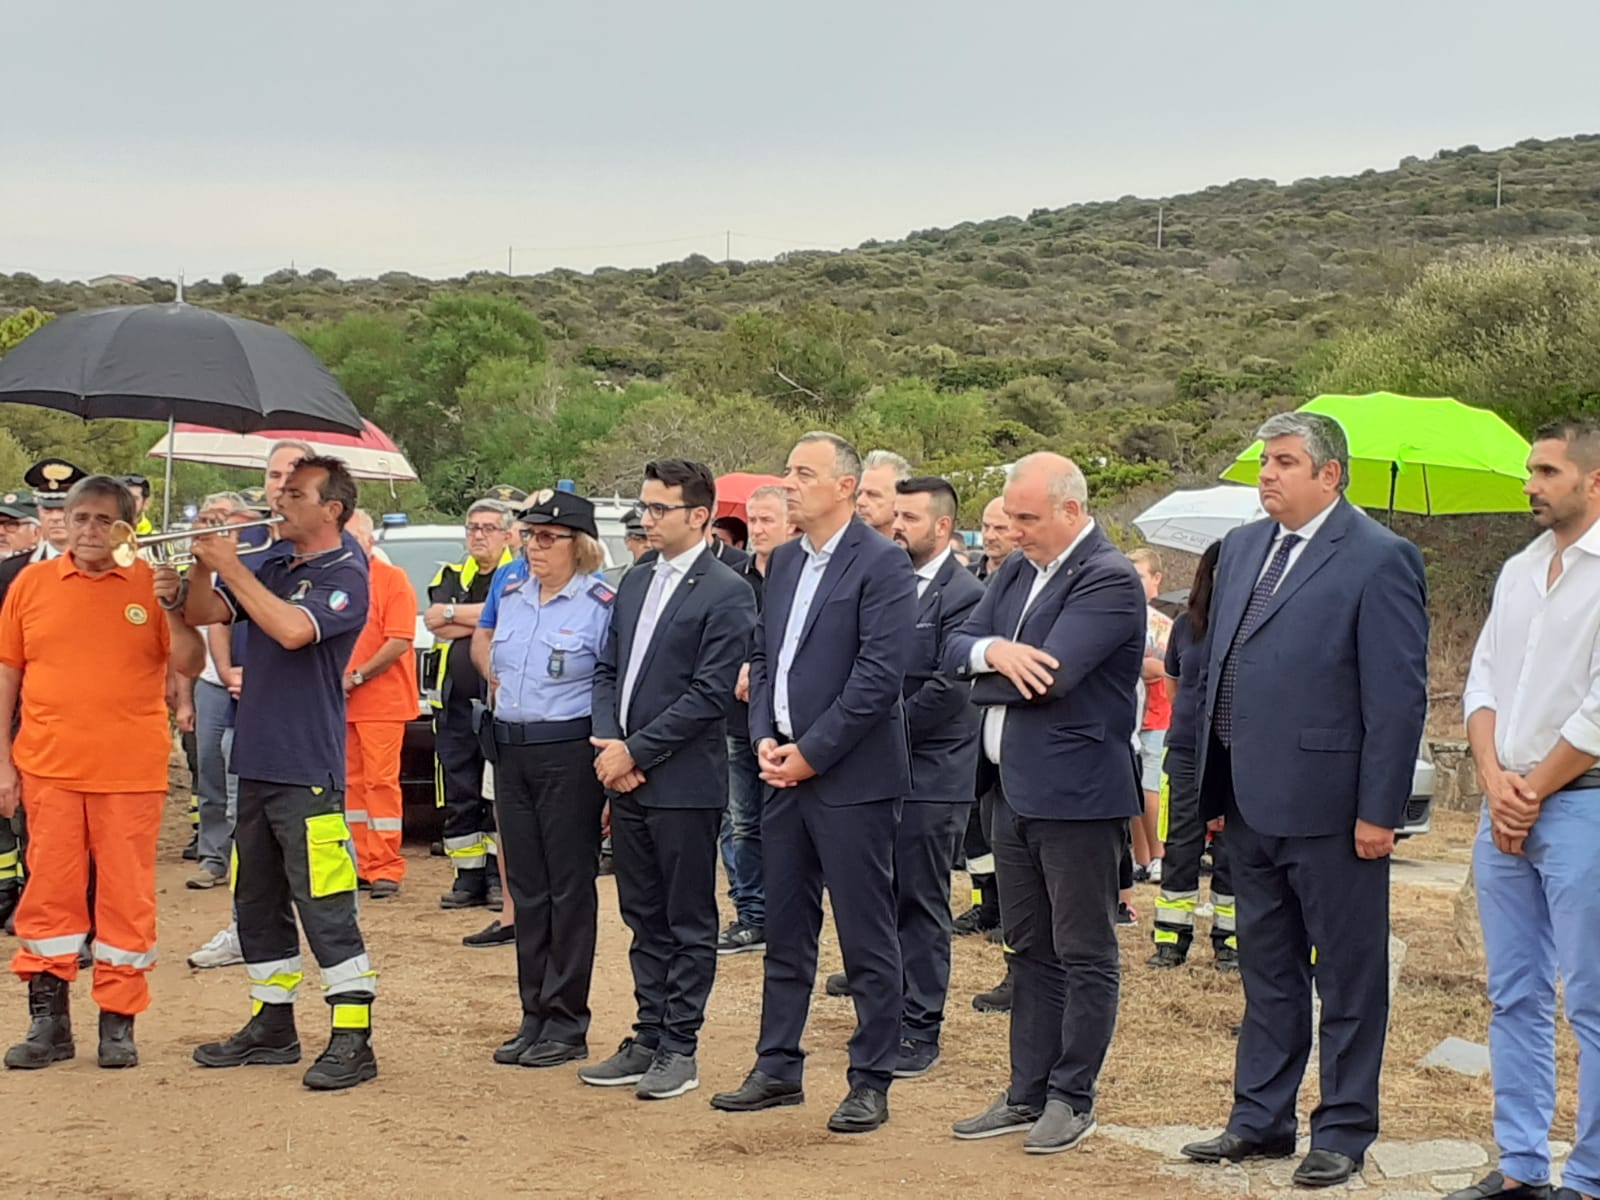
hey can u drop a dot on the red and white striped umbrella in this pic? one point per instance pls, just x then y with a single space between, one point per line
373 455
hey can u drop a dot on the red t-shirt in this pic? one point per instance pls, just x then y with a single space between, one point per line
1157 704
391 613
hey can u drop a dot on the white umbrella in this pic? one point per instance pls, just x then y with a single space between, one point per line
371 456
1191 521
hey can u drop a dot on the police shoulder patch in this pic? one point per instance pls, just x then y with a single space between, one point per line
339 601
603 592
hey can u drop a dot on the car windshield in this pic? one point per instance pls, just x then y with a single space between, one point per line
421 558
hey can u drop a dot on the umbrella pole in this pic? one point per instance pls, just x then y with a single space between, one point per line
1394 476
166 484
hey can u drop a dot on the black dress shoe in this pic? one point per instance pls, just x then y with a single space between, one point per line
509 1052
1325 1168
1493 1186
837 985
758 1091
863 1110
553 1054
1230 1147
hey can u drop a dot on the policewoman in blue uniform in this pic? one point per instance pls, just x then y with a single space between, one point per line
543 626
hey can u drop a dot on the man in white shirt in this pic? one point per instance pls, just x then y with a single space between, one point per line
1532 705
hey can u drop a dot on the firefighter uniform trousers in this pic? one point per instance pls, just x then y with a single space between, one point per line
11 846
469 826
1184 834
53 918
294 853
374 807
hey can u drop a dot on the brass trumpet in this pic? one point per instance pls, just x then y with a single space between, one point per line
168 549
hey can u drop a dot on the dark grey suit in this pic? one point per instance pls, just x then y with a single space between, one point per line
1327 710
943 727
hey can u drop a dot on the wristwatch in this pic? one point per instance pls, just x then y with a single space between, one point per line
357 678
449 612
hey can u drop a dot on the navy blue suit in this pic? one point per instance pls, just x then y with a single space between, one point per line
837 828
943 728
664 832
1068 785
1328 709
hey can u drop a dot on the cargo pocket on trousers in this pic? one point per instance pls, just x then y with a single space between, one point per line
328 855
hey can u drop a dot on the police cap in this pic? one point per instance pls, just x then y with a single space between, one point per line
506 494
566 509
17 503
51 479
633 523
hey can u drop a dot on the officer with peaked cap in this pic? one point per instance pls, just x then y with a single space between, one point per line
540 634
506 494
51 479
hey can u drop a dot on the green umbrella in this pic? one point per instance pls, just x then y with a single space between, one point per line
1433 457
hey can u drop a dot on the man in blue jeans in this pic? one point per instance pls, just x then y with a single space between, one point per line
766 514
1532 704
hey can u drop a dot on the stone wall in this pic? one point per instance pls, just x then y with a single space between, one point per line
1455 779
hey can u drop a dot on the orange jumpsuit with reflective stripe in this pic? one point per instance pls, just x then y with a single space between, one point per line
376 712
92 754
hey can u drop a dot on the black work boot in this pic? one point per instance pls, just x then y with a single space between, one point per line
116 1041
348 1060
470 889
49 1037
267 1040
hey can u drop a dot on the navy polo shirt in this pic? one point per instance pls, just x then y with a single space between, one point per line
291 722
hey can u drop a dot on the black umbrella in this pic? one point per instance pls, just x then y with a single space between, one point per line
175 362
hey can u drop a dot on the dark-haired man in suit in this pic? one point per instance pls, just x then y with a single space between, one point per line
826 673
1315 694
680 631
943 728
1056 647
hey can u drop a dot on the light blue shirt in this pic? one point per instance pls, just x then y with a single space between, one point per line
544 655
805 591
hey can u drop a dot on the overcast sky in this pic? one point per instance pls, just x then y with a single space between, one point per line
211 136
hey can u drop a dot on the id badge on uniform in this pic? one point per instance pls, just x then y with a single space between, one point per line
558 664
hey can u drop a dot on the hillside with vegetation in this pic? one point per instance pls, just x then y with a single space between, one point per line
1144 336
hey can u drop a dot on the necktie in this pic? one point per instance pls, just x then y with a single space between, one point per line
1222 717
641 636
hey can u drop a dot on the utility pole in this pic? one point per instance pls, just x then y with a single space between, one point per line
727 247
1499 179
180 285
1161 214
509 251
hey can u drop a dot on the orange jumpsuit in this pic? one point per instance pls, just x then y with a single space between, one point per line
92 754
376 713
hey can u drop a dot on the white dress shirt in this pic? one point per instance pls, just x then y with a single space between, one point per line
1537 663
805 591
670 571
994 717
1305 533
930 569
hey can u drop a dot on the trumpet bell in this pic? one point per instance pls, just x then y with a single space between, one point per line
124 544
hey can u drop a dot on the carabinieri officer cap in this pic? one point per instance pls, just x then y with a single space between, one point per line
51 479
566 509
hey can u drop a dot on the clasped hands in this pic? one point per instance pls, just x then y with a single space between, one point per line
782 766
1513 808
614 766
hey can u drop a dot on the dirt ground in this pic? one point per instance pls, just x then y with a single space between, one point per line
442 1120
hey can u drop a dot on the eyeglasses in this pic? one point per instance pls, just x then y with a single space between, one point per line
544 538
485 530
657 511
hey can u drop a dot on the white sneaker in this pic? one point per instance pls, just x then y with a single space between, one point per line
1155 870
221 951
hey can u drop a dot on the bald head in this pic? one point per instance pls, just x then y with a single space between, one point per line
1047 503
998 541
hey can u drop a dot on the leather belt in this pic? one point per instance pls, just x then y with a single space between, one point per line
1588 781
540 733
